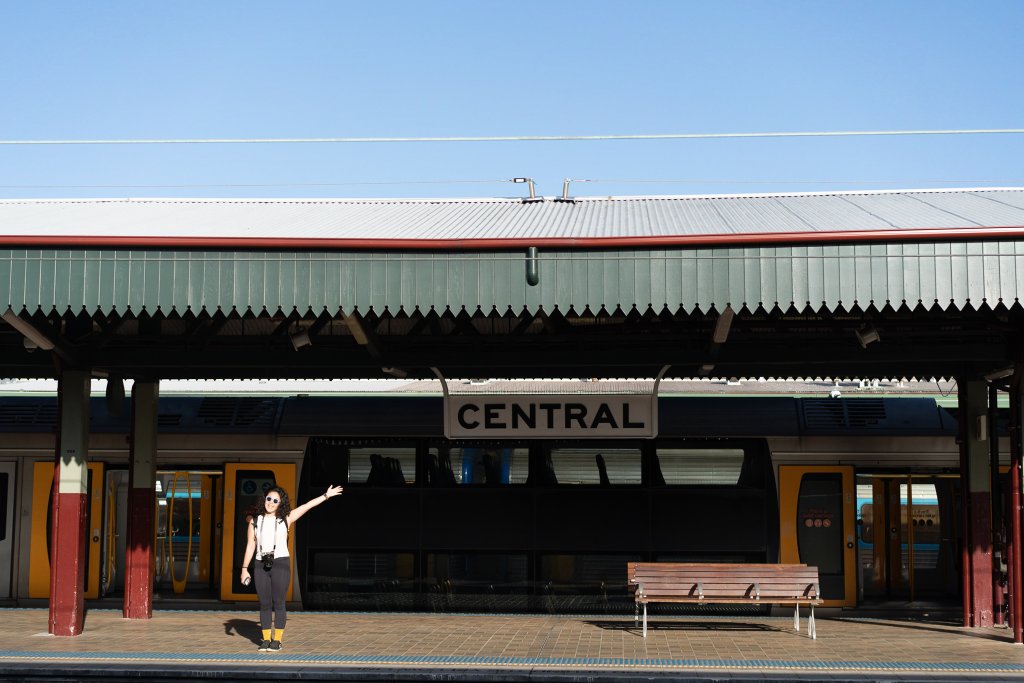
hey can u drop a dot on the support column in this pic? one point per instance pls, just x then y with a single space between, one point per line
976 485
68 532
998 504
1013 545
140 563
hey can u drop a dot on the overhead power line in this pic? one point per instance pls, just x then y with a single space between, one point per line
695 181
517 138
192 186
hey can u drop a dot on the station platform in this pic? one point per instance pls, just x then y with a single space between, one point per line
222 645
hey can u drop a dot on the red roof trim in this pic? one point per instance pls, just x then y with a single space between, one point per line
652 241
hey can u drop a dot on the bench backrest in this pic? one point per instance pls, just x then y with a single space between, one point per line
766 581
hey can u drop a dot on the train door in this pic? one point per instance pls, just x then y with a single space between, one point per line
187 532
244 487
907 536
42 509
6 526
189 513
115 523
816 506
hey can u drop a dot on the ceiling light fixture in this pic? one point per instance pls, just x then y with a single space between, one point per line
867 335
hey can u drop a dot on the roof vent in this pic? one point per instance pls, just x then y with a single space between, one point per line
32 414
238 412
830 415
168 420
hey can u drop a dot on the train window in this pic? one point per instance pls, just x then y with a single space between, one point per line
588 572
594 465
701 466
359 581
474 465
330 570
378 466
494 573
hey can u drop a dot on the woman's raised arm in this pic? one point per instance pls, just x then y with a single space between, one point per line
294 515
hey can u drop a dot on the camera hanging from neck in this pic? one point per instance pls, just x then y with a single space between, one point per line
267 558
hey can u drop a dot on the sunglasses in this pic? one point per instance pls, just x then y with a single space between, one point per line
271 499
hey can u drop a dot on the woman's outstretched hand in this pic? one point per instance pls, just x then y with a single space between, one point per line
333 491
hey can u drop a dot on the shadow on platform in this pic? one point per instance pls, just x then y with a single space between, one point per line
247 628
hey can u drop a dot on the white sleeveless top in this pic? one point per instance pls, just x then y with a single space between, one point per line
266 531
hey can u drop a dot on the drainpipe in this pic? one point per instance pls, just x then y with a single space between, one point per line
532 267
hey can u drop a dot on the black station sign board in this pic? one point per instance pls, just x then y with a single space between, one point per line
535 416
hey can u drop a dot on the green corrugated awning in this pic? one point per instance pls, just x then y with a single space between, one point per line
942 273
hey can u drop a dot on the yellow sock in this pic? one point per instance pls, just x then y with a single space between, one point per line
267 633
279 635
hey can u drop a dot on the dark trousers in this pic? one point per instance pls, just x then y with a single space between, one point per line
272 587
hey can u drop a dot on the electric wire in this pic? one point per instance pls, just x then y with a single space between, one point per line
193 186
520 138
666 181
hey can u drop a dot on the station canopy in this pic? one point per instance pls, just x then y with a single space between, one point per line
921 283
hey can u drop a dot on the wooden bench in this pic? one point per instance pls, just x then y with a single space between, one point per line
745 584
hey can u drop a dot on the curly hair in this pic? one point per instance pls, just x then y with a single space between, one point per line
284 508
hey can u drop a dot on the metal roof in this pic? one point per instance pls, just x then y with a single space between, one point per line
894 215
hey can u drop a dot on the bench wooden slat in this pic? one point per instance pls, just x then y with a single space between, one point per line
721 583
732 579
735 601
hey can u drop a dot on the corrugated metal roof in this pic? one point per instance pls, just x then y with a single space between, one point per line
815 217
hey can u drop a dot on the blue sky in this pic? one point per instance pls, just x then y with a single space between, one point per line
87 70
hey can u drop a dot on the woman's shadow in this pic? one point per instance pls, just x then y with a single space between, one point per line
245 628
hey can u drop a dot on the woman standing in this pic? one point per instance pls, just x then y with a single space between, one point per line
268 539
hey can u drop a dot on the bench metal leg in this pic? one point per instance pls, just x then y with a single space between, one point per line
645 620
796 617
810 625
636 613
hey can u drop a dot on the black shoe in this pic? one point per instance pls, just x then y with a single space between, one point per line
275 646
265 646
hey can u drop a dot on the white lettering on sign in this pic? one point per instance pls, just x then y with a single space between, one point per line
542 416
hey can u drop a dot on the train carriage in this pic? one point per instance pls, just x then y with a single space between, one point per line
866 488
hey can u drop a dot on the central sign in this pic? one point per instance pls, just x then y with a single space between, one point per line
535 416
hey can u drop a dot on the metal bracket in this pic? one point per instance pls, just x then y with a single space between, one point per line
444 390
654 399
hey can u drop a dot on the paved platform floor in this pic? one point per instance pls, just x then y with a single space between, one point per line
179 645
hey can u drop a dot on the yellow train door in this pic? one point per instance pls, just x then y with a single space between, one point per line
817 508
39 549
244 488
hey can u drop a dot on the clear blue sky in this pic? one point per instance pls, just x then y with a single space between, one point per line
86 70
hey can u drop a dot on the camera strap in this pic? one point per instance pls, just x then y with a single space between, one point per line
259 536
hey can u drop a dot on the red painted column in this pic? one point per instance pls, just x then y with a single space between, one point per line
140 562
982 568
975 484
1014 541
68 532
998 498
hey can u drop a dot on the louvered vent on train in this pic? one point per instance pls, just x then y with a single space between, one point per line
29 415
829 415
238 412
169 420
